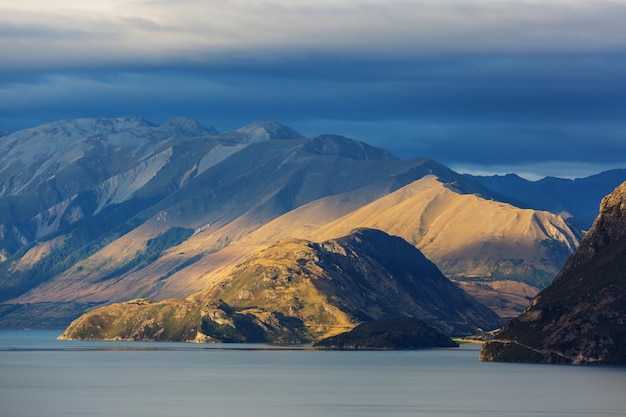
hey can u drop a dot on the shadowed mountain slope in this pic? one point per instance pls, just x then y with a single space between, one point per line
581 317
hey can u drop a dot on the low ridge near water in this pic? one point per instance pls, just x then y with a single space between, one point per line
300 291
399 333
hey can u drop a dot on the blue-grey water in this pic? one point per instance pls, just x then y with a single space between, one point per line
43 377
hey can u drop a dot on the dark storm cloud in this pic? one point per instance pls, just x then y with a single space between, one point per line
539 86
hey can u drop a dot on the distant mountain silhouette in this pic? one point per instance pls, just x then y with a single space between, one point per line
577 199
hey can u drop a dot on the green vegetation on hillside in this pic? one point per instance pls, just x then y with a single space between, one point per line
86 237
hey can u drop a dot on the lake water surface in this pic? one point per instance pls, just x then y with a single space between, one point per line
43 377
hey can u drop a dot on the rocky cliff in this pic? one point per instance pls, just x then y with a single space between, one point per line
581 317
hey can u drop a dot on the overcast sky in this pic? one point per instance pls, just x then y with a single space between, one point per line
536 87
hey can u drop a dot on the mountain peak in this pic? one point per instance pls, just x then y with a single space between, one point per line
92 125
350 148
614 205
609 226
263 130
109 124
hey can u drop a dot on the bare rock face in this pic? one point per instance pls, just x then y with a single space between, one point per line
581 317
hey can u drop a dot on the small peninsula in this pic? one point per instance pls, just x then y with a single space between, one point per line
392 334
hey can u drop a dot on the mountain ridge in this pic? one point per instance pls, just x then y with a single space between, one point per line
576 199
399 333
296 161
444 226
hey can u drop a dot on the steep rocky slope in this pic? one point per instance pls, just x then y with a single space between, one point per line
581 317
299 291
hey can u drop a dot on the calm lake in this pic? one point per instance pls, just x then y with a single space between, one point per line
42 377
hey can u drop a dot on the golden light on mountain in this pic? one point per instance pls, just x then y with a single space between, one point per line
468 237
138 210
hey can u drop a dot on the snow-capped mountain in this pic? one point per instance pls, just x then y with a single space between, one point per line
36 156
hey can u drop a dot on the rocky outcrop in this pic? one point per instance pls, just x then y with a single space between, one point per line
398 333
581 317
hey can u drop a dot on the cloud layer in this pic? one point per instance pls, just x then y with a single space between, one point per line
472 83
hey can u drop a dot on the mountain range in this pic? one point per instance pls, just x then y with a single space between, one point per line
101 211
